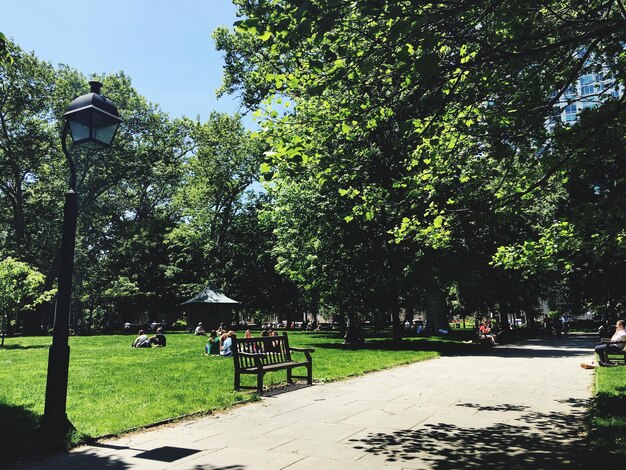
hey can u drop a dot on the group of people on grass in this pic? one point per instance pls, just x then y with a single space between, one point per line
220 342
143 341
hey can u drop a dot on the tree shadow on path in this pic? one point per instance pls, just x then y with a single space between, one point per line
536 441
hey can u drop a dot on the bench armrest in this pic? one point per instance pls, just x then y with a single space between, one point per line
307 352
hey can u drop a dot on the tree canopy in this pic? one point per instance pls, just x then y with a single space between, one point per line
432 122
167 209
453 157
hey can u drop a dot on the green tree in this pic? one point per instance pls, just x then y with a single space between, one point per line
215 189
21 287
26 140
5 55
435 113
583 249
125 192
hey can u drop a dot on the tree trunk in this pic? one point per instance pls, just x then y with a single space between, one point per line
504 316
396 324
436 309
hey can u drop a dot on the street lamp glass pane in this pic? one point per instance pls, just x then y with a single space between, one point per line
105 134
79 131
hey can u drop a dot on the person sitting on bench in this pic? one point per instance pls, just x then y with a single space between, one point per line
614 345
486 333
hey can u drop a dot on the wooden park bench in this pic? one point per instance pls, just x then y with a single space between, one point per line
268 354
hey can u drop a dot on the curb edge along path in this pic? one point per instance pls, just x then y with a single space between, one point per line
515 406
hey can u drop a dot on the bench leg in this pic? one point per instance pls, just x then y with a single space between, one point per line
237 381
259 383
289 379
309 369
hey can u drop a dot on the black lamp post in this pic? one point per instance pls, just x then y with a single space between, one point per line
92 120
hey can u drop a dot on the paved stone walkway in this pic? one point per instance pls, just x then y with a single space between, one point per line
516 406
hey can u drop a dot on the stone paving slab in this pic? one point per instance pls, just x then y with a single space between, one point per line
517 406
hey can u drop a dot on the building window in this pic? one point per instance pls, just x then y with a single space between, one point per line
570 113
587 84
589 104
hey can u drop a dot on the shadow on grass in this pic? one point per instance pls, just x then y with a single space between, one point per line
443 347
530 348
22 444
21 346
536 441
607 428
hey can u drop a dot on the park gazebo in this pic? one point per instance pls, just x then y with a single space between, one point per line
211 307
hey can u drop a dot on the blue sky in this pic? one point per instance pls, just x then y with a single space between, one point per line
164 46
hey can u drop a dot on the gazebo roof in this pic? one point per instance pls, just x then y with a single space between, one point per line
210 295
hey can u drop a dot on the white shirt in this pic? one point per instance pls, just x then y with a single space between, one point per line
619 337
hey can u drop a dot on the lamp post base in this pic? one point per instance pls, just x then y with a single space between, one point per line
54 421
55 426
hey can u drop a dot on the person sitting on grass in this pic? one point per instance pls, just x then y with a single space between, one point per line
227 344
354 334
614 345
249 347
199 330
159 339
141 341
212 347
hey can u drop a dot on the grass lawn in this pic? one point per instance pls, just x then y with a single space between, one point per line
607 434
113 388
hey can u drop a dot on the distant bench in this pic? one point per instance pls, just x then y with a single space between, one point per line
268 354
